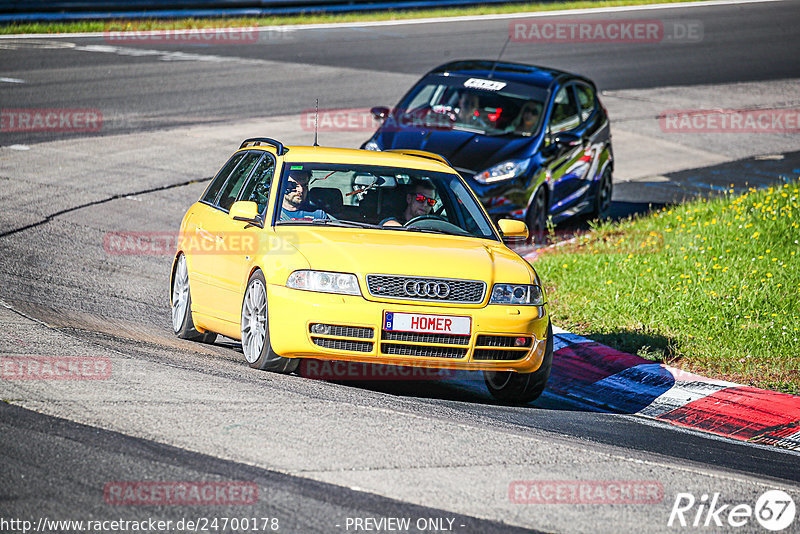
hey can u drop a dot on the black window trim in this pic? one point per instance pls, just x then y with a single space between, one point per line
205 191
251 176
575 84
244 153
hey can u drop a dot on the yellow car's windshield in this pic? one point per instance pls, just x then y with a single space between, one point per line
386 198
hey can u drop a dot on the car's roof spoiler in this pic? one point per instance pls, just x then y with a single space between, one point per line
420 154
256 141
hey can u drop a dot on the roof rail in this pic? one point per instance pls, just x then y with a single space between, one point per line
255 141
420 154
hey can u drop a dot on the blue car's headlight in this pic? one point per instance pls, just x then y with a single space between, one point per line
503 171
372 145
517 294
325 282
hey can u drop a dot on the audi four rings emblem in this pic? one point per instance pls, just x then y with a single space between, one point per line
420 288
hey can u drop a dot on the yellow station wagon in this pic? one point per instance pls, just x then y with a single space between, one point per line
379 257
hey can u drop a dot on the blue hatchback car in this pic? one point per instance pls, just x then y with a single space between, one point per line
532 142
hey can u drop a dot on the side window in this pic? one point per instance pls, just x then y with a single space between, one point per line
212 192
257 188
565 111
422 98
237 179
585 101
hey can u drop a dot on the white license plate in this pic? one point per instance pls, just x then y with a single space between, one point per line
431 324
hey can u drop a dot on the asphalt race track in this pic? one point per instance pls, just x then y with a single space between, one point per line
323 454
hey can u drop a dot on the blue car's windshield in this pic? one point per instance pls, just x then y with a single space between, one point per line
378 197
490 107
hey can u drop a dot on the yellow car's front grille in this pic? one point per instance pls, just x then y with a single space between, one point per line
343 344
428 289
489 347
485 340
421 337
429 351
339 330
330 336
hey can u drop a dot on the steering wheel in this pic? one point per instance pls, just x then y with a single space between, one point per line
412 222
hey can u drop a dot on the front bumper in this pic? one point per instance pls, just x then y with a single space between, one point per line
292 312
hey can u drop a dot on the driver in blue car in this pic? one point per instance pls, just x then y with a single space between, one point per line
419 201
294 204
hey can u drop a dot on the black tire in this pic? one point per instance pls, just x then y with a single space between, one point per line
182 323
521 388
602 198
258 353
536 219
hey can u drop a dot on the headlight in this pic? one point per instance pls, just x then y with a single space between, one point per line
372 145
517 294
503 171
344 283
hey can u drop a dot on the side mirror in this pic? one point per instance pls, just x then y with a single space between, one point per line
246 211
513 230
380 112
564 139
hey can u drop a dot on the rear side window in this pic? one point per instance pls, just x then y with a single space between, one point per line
212 192
236 180
565 111
257 189
585 101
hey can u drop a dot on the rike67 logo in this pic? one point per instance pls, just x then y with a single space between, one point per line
774 510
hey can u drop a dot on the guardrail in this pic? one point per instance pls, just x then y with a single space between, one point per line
67 10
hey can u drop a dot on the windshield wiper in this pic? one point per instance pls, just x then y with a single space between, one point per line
330 222
427 230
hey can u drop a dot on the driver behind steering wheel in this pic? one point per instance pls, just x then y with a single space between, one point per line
419 201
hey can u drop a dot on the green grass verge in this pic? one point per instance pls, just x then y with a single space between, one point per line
711 286
311 18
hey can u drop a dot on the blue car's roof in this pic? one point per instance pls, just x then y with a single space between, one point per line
512 72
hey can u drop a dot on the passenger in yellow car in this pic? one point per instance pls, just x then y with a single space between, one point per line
419 201
294 204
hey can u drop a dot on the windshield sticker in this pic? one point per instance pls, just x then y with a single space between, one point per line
296 168
486 85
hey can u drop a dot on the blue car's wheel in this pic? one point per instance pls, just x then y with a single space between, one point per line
536 219
602 199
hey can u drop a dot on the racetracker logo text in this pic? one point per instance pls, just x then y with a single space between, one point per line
585 492
147 493
730 121
362 120
339 370
604 31
55 368
247 242
50 120
230 36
